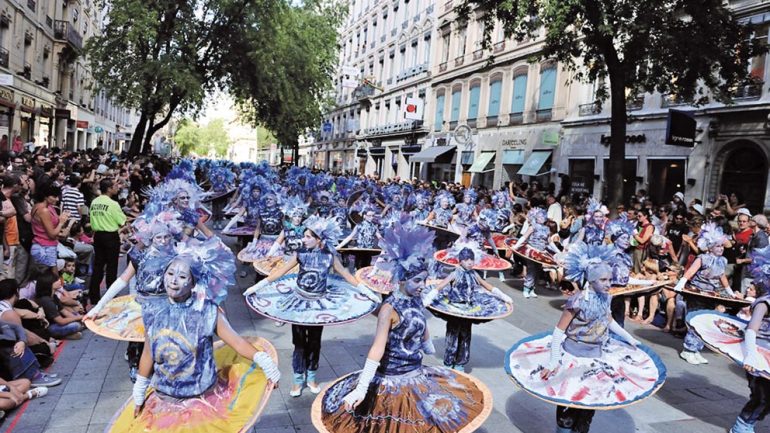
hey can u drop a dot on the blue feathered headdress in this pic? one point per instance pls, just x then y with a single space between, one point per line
327 229
501 199
535 213
444 195
462 246
470 192
162 196
619 227
224 184
580 258
710 236
407 249
184 170
294 206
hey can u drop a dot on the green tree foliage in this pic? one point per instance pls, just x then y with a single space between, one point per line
692 49
209 140
163 57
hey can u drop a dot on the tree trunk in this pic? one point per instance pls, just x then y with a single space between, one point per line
138 137
146 145
295 154
614 177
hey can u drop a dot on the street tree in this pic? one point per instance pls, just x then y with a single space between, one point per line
208 140
691 49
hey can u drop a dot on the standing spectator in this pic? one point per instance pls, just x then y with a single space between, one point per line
554 209
23 220
107 218
47 225
676 228
72 199
758 240
9 185
645 232
28 146
4 143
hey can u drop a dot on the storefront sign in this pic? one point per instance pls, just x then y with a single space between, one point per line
680 129
580 187
61 114
6 96
515 143
98 129
630 139
550 138
27 104
122 136
81 124
46 111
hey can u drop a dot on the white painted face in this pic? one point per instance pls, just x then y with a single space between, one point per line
444 203
623 242
603 283
598 218
296 220
718 250
415 285
467 264
161 240
178 281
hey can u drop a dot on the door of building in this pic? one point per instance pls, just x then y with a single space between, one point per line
744 172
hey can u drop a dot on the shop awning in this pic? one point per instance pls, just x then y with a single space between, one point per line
513 157
480 166
377 152
535 163
432 153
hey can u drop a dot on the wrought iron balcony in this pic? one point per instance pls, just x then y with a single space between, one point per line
748 92
31 4
499 46
27 71
459 60
64 31
442 67
477 54
517 118
589 109
544 115
674 100
635 104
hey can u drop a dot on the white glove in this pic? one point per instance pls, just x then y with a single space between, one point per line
253 289
751 357
366 291
427 347
364 379
618 330
518 244
114 289
266 363
680 284
274 249
140 389
502 296
507 228
557 338
429 297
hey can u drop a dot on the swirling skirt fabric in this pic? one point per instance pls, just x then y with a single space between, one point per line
256 250
620 377
483 307
121 319
724 334
341 303
244 230
231 405
426 400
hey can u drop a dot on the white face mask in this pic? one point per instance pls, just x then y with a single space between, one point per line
178 281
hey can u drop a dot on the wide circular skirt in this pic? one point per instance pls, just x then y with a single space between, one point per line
426 400
269 265
488 262
376 279
216 195
342 302
638 289
724 334
525 251
712 299
231 405
483 307
257 250
244 230
121 319
620 377
500 242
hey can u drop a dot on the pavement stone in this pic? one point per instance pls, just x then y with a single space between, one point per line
695 398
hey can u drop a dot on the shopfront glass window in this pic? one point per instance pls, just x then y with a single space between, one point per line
581 177
629 178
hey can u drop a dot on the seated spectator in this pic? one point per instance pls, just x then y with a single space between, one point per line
70 281
25 313
63 322
17 361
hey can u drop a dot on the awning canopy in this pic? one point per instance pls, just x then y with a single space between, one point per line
535 163
513 157
480 166
431 154
377 152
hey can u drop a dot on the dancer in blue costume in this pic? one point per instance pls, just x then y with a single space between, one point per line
706 274
463 288
316 259
178 358
366 235
420 209
465 212
290 238
593 233
504 221
536 236
757 333
395 392
621 231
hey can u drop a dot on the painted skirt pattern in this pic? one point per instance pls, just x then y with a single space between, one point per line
426 400
483 305
621 376
121 319
257 250
342 302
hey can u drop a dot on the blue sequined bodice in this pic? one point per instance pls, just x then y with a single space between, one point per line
708 277
366 235
420 214
461 289
502 220
403 349
442 217
538 239
314 268
465 213
181 343
271 221
593 235
292 237
621 264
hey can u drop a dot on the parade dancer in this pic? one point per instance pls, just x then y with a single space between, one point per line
394 391
621 231
593 232
183 198
290 239
462 285
269 225
503 222
707 274
178 359
420 209
465 212
314 296
592 362
366 235
536 236
222 181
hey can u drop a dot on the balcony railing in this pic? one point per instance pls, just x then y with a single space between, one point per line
499 46
635 104
27 71
544 115
492 121
517 118
674 100
589 109
472 123
65 32
459 60
748 92
477 54
442 67
49 22
4 58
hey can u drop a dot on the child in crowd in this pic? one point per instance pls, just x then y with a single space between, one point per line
63 322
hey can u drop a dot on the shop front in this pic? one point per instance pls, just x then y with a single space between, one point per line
27 118
438 163
46 122
7 110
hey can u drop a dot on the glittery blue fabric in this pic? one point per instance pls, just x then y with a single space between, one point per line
621 264
593 235
272 220
403 349
314 268
708 277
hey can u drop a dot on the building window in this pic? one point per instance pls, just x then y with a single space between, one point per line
495 87
455 115
519 93
581 177
665 177
426 51
445 48
547 88
473 105
462 39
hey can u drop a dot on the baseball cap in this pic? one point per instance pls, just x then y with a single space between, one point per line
744 211
680 195
698 208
